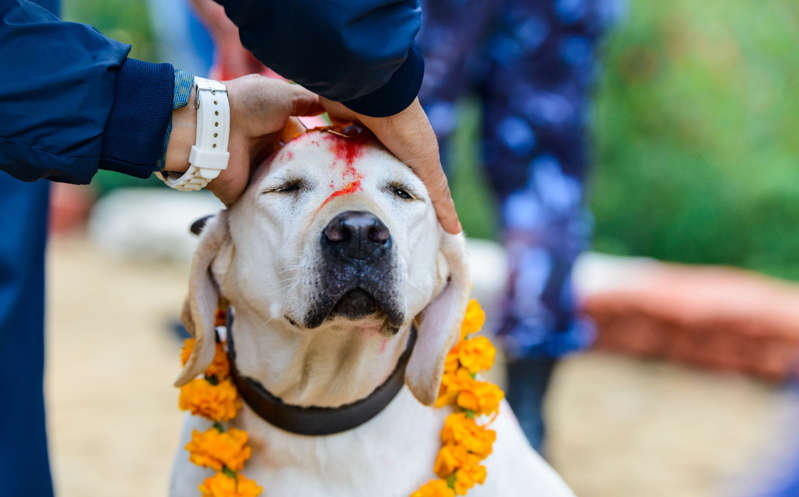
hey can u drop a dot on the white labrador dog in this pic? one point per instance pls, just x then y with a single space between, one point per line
329 259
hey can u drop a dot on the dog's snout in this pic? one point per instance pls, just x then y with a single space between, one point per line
357 235
356 271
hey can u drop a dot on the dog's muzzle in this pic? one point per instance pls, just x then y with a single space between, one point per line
356 276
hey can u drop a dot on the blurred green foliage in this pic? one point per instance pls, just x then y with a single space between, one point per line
124 20
696 131
475 204
697 134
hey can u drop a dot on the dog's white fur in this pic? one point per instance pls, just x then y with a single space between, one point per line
263 255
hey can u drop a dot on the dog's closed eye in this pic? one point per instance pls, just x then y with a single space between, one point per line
292 185
400 191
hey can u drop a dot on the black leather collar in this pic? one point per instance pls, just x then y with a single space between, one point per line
316 420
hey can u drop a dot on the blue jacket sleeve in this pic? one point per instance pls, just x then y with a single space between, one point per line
72 102
358 52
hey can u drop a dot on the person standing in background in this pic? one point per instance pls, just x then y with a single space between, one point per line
180 36
531 65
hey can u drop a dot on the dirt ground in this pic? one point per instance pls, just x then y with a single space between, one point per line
618 427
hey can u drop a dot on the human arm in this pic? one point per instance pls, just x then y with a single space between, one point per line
72 102
360 53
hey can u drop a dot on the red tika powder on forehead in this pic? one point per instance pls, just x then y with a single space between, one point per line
347 143
346 149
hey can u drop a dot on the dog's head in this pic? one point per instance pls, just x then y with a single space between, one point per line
334 232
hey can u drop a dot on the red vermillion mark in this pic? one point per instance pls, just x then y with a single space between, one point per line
346 149
352 187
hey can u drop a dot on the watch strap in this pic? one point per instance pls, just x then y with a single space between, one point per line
209 154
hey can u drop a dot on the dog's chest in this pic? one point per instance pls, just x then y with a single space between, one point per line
392 454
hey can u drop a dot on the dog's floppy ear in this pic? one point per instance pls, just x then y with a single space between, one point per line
440 324
200 305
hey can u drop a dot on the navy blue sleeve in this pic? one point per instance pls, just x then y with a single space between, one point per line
72 102
358 52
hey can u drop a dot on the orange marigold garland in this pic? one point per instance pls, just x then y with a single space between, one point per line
215 397
465 443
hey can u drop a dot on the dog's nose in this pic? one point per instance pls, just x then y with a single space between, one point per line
356 235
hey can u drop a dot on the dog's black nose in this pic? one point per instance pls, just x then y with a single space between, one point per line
356 235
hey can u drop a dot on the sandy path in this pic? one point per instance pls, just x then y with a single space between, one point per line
113 412
629 428
619 427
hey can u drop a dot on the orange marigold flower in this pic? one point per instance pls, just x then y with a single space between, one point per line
480 397
451 363
451 385
216 402
476 354
466 477
449 459
473 320
219 367
215 449
185 352
459 429
434 488
222 485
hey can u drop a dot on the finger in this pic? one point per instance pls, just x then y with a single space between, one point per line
305 103
306 106
447 215
432 175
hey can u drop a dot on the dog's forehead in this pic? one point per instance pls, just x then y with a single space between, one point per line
335 158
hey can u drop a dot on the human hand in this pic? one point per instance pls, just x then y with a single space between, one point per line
409 136
259 109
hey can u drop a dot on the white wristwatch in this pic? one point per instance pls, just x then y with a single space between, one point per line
209 155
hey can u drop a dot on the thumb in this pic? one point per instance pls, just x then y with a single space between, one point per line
305 103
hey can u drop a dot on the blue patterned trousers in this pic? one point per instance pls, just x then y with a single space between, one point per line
530 64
